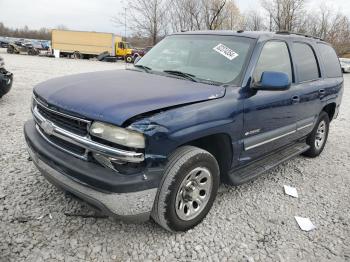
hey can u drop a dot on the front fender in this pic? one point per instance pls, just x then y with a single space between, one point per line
167 130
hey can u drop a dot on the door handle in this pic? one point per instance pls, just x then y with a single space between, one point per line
295 99
322 92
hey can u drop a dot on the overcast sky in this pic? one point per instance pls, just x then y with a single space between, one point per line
95 15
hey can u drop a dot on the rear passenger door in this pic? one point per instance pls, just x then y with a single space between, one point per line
308 86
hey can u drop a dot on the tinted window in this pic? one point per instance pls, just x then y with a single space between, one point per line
330 60
306 62
274 57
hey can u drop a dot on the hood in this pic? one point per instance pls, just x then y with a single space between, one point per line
115 96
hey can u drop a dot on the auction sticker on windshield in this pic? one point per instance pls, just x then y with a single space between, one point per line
225 51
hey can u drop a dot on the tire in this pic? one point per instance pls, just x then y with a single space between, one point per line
77 55
318 137
128 59
10 50
187 190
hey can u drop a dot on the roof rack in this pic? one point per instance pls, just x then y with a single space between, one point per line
293 33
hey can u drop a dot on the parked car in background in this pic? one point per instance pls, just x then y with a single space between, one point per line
6 79
4 43
345 64
20 47
199 109
140 52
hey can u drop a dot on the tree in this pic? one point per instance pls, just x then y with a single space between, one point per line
204 15
147 17
253 21
213 10
285 15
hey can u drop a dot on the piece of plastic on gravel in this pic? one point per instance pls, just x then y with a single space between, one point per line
291 191
305 223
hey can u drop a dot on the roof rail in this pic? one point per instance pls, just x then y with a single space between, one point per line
301 34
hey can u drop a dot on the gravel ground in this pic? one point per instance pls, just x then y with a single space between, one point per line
252 222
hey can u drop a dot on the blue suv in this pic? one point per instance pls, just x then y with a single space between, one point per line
199 109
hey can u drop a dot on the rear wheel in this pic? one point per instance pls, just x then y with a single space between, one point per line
10 49
77 55
188 189
318 137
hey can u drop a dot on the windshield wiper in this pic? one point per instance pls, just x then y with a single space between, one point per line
181 74
145 68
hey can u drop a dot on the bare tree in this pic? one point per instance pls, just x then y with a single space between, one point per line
286 15
204 14
25 32
254 21
328 25
147 17
186 15
213 10
231 17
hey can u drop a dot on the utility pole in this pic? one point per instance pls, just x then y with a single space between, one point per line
125 23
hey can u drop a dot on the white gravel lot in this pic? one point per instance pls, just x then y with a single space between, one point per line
252 222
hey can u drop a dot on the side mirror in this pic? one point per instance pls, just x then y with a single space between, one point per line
273 81
138 58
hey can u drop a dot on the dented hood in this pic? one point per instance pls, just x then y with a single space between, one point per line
115 96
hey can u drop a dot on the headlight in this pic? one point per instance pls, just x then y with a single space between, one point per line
117 135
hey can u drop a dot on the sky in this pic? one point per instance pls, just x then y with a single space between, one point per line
96 15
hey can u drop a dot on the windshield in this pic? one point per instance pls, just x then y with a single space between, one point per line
214 58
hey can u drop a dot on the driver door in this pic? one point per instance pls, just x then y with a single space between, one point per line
269 116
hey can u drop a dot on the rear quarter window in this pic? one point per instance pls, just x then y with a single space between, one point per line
330 60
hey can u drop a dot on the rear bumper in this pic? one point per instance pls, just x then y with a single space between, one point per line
126 199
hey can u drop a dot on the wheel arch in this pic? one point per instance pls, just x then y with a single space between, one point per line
330 110
220 146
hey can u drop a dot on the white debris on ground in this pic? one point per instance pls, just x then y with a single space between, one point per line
291 191
305 223
252 222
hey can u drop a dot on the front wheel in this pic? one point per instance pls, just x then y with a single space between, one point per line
188 189
318 137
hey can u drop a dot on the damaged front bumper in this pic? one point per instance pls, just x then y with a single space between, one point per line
127 197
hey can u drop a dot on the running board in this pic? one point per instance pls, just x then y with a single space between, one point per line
243 174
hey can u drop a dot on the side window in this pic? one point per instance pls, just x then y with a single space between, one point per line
330 60
274 57
120 45
306 62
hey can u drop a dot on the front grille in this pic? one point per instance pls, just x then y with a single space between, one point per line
70 124
68 146
64 145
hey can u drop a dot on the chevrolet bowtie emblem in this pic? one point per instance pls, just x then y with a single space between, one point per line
47 127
